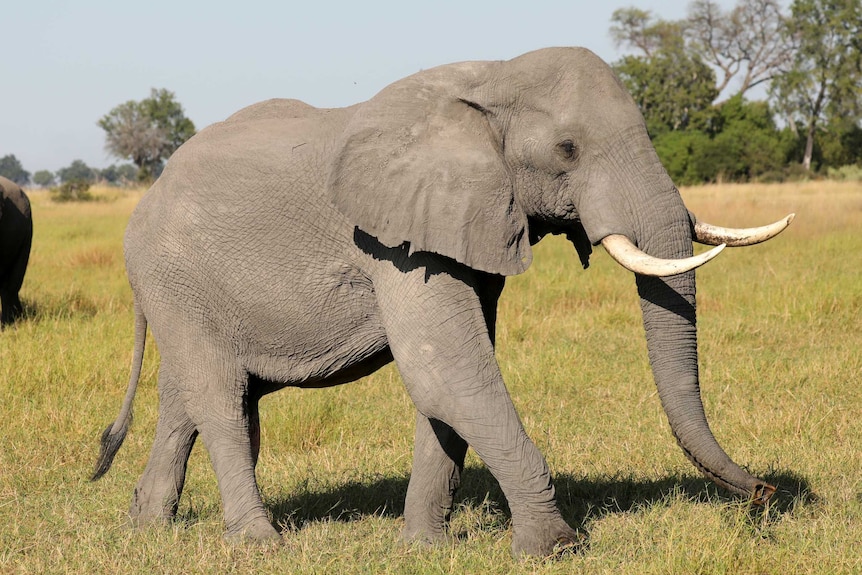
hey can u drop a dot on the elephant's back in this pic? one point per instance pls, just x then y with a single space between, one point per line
264 167
240 213
14 198
275 109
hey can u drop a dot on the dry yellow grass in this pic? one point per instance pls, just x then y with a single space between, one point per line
823 206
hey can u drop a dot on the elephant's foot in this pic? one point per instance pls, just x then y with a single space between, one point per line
147 509
427 523
419 533
546 538
258 530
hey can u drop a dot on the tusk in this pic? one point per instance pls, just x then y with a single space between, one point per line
714 235
633 259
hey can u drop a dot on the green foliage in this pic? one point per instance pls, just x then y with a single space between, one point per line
77 171
673 90
12 169
122 175
44 178
812 59
846 173
677 149
840 143
167 115
74 190
825 79
748 141
147 132
742 145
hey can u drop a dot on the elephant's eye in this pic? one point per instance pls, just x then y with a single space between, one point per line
568 149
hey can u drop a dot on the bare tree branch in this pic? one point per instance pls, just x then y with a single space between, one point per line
747 40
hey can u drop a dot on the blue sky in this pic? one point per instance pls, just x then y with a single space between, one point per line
65 64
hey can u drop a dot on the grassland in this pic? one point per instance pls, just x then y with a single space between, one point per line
780 337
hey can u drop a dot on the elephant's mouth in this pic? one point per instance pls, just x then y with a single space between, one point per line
624 251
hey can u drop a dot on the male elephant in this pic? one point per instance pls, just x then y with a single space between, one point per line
16 235
296 246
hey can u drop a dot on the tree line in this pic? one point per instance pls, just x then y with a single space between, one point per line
146 132
78 170
693 78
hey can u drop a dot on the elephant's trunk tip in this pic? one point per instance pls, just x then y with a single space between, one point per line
762 493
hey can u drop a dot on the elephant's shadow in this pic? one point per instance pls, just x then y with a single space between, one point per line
580 499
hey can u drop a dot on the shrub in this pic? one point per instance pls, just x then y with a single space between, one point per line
72 191
676 150
851 173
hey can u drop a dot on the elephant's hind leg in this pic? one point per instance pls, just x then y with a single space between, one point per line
158 491
438 460
227 419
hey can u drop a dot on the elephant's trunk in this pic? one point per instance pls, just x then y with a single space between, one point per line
632 196
669 316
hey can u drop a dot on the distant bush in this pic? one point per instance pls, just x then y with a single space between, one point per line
72 191
852 173
44 178
677 151
740 143
794 172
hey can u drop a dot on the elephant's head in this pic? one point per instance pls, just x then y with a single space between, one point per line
476 161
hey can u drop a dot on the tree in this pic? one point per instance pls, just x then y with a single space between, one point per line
747 40
825 78
636 28
120 175
673 90
746 146
12 169
168 116
743 144
43 178
147 132
72 191
77 171
841 143
677 150
127 174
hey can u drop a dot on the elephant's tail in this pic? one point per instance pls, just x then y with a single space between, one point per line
115 433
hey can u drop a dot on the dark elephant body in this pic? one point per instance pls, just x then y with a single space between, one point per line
295 246
16 236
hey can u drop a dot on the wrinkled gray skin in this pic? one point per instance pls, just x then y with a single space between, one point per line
295 246
16 235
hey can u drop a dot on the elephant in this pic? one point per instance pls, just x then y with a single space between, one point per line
16 237
295 246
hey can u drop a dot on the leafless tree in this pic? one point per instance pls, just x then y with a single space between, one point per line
638 29
746 41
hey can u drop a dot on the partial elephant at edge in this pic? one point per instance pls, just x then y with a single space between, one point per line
16 236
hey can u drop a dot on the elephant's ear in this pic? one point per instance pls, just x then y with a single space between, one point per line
418 164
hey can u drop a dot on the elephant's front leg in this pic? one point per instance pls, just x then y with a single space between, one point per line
438 335
10 305
438 460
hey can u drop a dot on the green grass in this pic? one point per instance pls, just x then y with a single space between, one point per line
780 339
